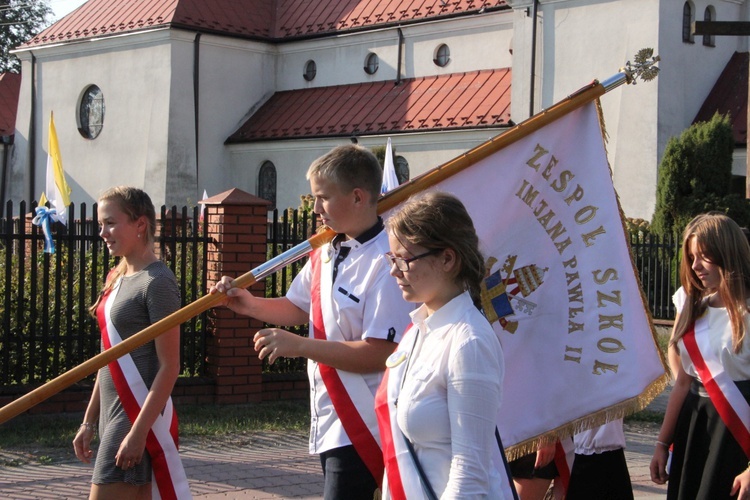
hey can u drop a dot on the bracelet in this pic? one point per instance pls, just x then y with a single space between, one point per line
88 425
663 444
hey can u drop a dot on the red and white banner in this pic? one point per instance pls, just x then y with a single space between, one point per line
562 292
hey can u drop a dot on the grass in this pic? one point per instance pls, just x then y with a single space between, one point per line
196 421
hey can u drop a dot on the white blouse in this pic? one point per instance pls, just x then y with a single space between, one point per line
450 397
737 366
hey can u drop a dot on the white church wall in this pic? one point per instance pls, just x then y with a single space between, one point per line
423 151
236 76
133 75
475 43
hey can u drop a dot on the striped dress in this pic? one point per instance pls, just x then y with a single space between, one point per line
143 299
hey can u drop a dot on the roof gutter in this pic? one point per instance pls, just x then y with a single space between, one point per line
533 56
7 142
400 51
32 132
196 105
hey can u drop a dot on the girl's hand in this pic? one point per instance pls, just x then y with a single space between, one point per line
742 485
82 443
131 450
658 467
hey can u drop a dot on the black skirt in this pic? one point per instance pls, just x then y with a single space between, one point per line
600 476
705 457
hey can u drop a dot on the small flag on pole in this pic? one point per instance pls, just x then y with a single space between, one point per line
390 181
57 190
203 206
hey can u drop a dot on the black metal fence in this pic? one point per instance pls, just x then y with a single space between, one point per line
656 261
45 327
285 230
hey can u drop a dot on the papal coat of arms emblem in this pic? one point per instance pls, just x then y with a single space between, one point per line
505 292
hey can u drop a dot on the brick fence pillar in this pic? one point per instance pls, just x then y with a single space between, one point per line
237 225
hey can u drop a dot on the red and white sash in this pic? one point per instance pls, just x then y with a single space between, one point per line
349 393
170 481
400 483
725 396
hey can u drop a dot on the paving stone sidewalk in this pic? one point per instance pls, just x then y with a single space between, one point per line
269 466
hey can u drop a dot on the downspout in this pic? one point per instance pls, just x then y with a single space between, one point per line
196 105
400 50
7 141
533 56
32 132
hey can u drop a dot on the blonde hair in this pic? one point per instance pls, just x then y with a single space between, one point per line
135 203
438 220
721 241
349 167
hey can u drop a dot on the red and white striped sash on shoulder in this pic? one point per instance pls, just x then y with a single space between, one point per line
170 481
725 396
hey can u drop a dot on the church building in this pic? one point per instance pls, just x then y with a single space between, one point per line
182 96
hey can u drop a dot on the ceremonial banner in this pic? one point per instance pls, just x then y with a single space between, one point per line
561 291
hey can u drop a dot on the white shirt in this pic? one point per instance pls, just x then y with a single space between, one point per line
448 404
367 303
607 437
737 366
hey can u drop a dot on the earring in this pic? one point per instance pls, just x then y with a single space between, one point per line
139 235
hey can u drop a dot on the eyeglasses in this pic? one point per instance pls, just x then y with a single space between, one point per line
403 264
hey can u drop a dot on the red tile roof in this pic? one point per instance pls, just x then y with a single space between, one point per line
729 95
10 86
257 19
479 99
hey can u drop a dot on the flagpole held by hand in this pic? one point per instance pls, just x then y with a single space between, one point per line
90 366
644 68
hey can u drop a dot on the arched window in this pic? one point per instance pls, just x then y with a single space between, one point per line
267 183
687 23
709 15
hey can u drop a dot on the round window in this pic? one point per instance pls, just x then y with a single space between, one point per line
311 69
442 55
371 63
91 112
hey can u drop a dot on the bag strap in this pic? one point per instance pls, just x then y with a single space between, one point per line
422 476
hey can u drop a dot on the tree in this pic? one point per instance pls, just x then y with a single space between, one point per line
20 20
695 176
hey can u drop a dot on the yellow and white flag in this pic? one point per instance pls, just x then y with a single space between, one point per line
561 290
56 190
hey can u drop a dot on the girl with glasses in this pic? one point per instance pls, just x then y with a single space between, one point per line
438 403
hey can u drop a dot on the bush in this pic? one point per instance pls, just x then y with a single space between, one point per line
695 176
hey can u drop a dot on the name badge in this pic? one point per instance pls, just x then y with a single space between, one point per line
396 359
328 253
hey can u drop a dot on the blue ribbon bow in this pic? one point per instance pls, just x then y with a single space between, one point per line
43 218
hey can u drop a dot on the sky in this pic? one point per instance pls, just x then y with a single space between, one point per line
63 7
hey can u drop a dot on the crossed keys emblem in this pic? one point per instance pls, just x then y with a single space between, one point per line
504 290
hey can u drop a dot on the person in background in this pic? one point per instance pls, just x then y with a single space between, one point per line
708 460
356 316
131 396
533 473
438 403
599 467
